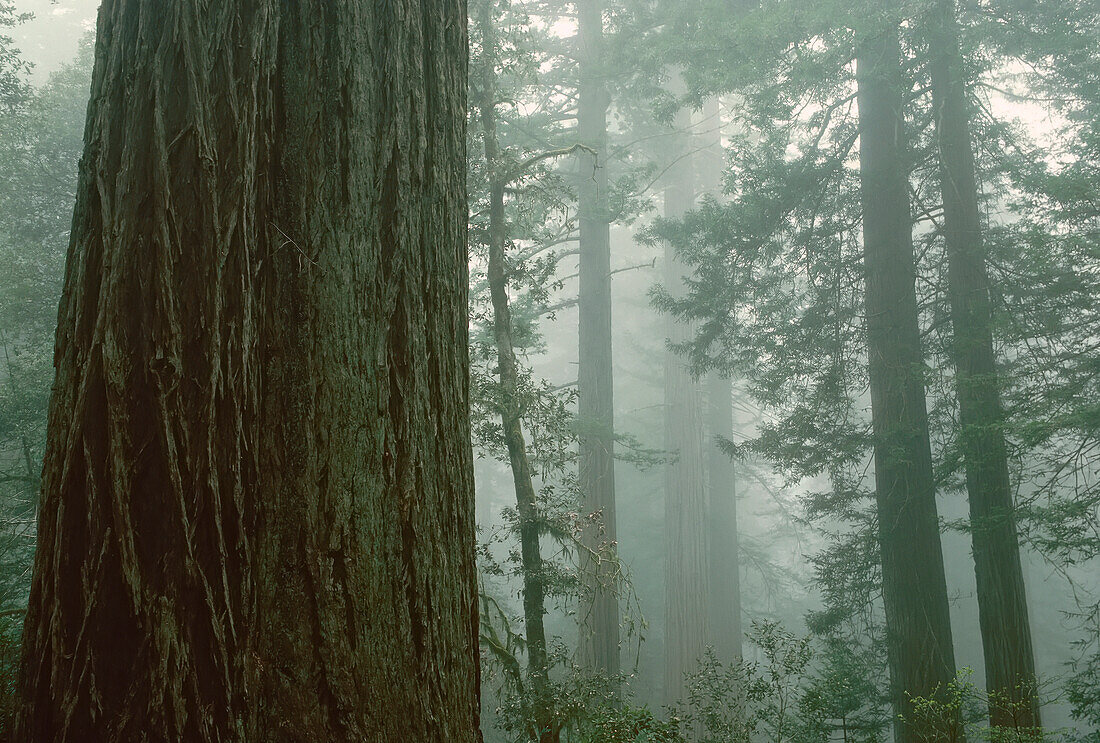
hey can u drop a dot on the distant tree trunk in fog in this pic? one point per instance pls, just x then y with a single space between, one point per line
599 608
1002 603
686 589
723 559
257 508
918 623
723 547
511 417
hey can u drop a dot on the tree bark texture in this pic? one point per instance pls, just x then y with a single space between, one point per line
599 609
257 507
543 728
918 624
686 583
723 546
1002 602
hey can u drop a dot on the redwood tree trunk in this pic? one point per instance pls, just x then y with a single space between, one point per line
686 584
918 623
599 610
1002 603
257 507
723 546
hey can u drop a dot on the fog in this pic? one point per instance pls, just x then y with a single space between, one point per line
782 354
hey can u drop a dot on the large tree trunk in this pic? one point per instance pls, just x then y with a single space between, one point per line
723 547
543 728
918 623
686 590
1002 603
257 510
599 610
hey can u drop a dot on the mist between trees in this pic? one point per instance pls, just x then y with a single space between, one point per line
710 371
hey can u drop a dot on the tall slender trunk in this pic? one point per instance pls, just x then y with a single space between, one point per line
599 610
686 588
723 559
511 418
723 547
257 503
918 623
1002 602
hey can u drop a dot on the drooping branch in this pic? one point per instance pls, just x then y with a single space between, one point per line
522 167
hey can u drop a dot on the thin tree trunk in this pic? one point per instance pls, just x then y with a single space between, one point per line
1002 601
723 550
257 507
918 623
599 610
723 559
511 417
686 587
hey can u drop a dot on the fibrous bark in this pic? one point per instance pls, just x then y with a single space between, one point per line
257 507
1002 602
918 623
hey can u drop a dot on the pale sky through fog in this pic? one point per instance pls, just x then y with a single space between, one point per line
51 38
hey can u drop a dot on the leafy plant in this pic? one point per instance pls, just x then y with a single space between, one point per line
964 700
